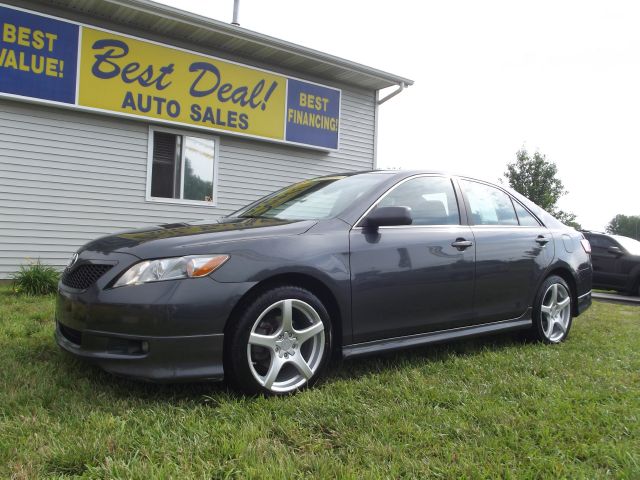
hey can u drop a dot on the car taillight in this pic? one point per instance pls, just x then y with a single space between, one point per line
586 245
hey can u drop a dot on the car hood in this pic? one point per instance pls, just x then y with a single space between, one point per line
194 238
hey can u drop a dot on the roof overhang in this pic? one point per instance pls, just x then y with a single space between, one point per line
233 40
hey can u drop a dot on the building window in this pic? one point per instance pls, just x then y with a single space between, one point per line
182 167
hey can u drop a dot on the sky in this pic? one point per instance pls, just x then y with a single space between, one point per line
491 77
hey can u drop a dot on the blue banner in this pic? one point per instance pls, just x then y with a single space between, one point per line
38 56
313 114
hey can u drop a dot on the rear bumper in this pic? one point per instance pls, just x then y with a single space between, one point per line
584 302
584 282
156 359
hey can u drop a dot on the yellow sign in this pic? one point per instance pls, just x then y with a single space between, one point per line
122 74
52 60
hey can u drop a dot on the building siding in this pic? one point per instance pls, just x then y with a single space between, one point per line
67 177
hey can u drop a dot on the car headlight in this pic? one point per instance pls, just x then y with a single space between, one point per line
162 269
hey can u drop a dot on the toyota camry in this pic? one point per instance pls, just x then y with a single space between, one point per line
337 266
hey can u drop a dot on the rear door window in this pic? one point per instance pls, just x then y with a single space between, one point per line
601 243
524 217
488 205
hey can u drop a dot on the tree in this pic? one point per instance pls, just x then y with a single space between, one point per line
629 226
535 177
568 219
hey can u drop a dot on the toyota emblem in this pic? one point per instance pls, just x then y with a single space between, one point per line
73 261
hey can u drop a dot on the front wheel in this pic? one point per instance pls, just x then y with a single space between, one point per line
552 311
280 343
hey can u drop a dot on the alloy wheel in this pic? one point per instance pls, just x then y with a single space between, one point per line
556 312
286 345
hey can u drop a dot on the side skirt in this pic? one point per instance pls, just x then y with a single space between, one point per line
410 341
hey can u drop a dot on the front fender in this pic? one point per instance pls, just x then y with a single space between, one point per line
322 255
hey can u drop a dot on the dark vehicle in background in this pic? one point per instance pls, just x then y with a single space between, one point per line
616 262
345 265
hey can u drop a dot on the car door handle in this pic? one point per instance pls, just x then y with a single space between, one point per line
542 240
461 244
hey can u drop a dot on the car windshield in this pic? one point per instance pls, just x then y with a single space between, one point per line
314 199
629 244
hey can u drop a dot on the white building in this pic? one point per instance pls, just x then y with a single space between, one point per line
120 114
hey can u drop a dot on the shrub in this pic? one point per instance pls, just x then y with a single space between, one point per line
36 279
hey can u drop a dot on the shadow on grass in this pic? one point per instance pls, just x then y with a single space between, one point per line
103 382
413 357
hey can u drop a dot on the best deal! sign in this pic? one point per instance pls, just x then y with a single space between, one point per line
51 60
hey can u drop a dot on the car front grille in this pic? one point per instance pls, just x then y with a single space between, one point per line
85 275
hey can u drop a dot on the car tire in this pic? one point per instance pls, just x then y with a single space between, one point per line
552 317
280 343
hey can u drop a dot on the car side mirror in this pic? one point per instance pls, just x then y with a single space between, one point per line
615 250
388 217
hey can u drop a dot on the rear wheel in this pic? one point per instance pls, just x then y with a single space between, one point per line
280 344
552 311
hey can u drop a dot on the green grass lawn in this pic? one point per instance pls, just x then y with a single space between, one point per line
489 408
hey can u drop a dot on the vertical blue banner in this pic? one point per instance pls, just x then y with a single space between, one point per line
38 56
313 114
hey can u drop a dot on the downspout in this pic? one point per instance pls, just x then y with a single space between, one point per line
379 101
375 130
401 87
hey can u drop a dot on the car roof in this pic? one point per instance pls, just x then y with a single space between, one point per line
394 173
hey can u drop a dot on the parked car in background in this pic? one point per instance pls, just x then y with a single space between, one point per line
616 262
350 264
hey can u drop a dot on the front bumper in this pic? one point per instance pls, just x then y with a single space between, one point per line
157 359
164 331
